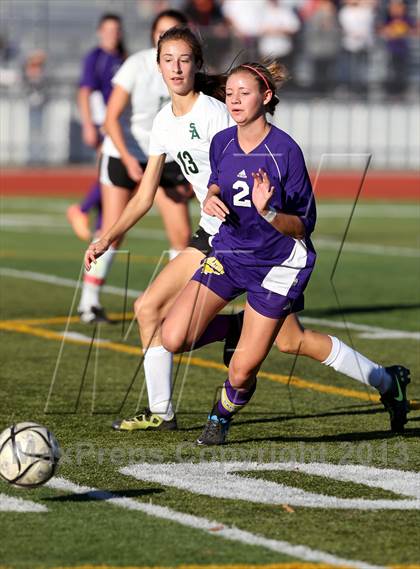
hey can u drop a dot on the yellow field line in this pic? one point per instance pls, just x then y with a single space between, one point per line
297 565
23 328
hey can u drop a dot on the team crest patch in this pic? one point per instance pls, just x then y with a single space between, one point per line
212 266
193 131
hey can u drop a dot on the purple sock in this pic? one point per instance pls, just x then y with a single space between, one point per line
93 198
216 331
232 400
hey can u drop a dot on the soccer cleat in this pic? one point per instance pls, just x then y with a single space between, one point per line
79 222
94 315
145 421
395 399
214 432
232 337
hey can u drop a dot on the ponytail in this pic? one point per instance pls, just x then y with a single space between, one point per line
270 75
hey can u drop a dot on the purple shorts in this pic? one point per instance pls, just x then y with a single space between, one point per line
273 292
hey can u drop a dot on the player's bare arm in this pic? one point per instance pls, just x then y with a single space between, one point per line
90 135
118 101
136 208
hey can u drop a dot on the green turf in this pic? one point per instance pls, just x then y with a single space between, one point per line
280 424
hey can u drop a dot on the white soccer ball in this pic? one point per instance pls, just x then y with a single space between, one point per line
29 454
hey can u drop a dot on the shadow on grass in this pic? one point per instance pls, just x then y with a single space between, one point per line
289 416
339 437
97 495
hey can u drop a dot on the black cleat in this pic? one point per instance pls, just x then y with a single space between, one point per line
214 432
232 337
395 399
94 315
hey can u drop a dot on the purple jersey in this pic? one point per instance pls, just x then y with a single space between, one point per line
249 238
99 67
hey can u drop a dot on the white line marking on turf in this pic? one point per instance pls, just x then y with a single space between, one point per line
19 206
61 281
52 224
365 331
369 248
10 504
209 526
220 480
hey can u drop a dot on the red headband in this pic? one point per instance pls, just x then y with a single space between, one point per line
260 74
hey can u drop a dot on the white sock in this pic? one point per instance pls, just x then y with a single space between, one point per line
94 280
357 366
158 372
173 253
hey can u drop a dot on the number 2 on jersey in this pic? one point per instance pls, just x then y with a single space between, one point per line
188 164
239 199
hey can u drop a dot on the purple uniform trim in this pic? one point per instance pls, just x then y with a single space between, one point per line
99 67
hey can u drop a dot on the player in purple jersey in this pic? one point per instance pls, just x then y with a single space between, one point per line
259 187
99 66
184 58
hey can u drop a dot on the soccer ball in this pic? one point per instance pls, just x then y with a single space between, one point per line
29 455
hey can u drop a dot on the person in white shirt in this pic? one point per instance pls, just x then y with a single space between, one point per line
279 24
356 19
183 129
245 19
139 92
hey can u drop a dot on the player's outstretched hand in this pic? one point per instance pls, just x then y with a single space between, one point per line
95 250
262 191
214 206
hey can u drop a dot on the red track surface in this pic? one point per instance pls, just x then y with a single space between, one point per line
332 185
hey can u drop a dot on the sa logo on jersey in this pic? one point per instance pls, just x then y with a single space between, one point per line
212 266
193 131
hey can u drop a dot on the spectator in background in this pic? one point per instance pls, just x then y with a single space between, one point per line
279 23
208 17
99 67
36 87
245 18
396 32
322 36
356 18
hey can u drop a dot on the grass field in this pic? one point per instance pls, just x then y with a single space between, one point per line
285 478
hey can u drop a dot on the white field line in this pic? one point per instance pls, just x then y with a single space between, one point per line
10 504
337 210
24 223
61 281
220 480
327 244
211 527
364 330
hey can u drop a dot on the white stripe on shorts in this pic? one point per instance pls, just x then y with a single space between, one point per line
281 278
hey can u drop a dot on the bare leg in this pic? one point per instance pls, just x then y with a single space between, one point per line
293 338
114 200
195 307
152 306
176 219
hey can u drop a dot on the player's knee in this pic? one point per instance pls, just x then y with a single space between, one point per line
240 374
172 340
290 345
145 310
